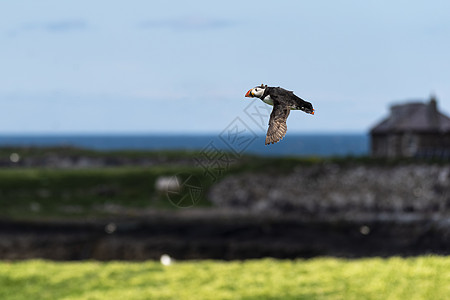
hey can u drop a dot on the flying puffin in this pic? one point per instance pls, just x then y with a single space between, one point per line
282 101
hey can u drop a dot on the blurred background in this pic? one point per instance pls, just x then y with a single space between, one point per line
174 67
125 133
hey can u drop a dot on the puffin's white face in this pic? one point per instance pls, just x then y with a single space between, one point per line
256 91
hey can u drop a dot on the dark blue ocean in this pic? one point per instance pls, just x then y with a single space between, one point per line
291 145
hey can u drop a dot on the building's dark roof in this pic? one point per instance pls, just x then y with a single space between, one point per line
415 117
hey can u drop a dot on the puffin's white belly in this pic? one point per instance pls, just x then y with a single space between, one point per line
268 100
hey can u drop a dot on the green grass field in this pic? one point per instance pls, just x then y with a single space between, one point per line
321 278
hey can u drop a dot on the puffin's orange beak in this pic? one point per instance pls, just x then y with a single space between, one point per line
249 93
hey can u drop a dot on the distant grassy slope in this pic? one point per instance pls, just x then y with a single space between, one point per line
66 192
321 278
42 192
40 152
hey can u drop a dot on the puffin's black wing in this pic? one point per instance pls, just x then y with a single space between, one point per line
277 123
292 100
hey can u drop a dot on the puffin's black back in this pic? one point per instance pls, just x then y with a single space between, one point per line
288 98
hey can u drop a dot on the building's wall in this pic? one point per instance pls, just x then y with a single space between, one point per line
434 145
410 144
377 146
386 145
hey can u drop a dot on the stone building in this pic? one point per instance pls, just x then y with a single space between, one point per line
414 129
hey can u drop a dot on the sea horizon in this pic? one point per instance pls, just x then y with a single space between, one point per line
293 144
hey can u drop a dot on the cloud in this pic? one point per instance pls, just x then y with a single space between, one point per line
67 25
53 26
186 23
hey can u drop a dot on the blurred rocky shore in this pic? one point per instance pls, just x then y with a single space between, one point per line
219 234
332 189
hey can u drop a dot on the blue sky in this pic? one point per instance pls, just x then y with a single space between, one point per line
184 66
